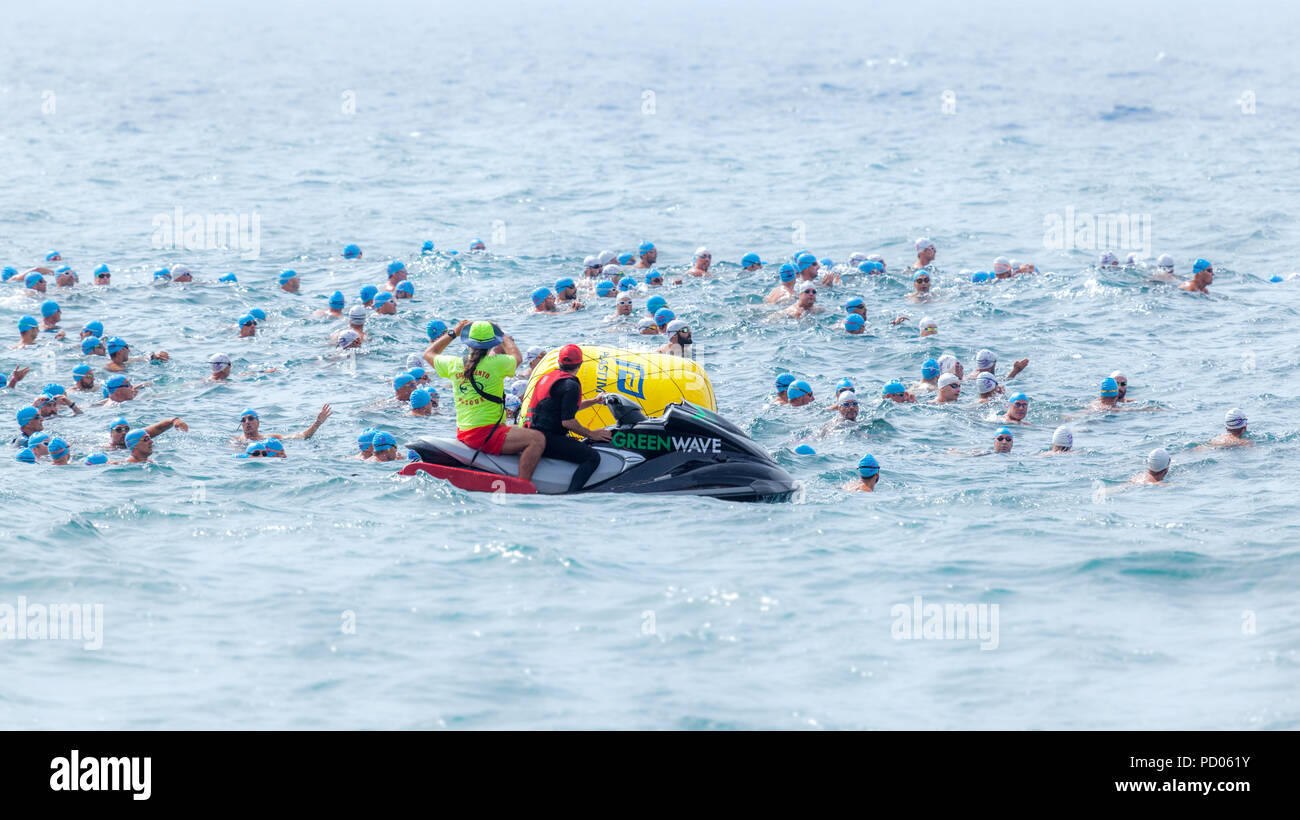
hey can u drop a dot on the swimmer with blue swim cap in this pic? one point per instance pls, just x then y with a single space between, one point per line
929 376
868 475
289 281
29 330
352 252
854 324
1017 409
895 392
544 301
1003 440
566 290
247 326
751 262
783 383
65 277
423 401
250 424
119 355
1202 277
647 255
785 288
799 393
385 304
34 281
858 305
920 286
477 245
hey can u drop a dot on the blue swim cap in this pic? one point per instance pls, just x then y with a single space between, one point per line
663 316
96 458
561 284
1017 397
826 263
286 275
352 252
9 273
395 267
750 259
248 412
115 344
247 319
1275 278
368 293
252 449
868 466
788 273
81 370
33 279
922 272
1004 431
383 441
794 257
929 369
854 322
652 275
474 246
420 398
646 246
162 273
54 388
89 343
979 276
37 439
402 380
27 323
258 314
805 261
26 414
798 389
26 456
874 266
383 298
101 269
843 384
1109 387
893 388
654 303
96 327
540 295
435 328
57 447
626 258
855 302
120 421
405 286
605 288
115 383
53 256
274 445
337 300
1200 265
626 283
427 247
228 277
805 450
783 381
416 373
133 437
49 307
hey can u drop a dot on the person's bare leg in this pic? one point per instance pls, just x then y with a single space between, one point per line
531 443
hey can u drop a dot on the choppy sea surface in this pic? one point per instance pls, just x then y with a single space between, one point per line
322 592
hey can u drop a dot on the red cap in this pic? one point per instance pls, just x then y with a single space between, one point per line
570 355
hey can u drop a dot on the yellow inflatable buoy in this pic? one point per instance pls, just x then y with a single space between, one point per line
652 380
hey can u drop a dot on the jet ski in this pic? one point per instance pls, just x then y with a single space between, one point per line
688 450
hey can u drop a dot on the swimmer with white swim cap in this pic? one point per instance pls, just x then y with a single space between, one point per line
1234 424
807 303
949 389
1062 442
987 387
929 327
949 363
986 361
1157 468
925 253
1121 381
703 259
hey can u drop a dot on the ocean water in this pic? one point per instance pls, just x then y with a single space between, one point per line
322 592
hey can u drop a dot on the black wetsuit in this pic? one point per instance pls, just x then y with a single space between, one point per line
559 406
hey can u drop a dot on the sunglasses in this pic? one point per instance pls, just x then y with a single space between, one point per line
122 428
809 290
848 404
1122 384
247 418
1003 438
923 279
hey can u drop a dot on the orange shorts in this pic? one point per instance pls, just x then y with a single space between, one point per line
479 439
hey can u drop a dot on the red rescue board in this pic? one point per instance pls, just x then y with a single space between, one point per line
472 480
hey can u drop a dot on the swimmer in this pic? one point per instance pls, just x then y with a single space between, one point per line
949 389
336 304
591 267
385 304
384 445
1109 396
348 340
948 363
1122 382
807 266
29 422
59 451
250 426
34 281
93 346
647 327
868 475
423 401
477 245
274 448
365 443
785 289
567 291
119 355
751 262
1003 440
289 281
921 286
647 255
1108 261
986 361
929 376
1002 268
83 378
1234 423
856 305
1017 409
140 446
426 247
925 253
119 389
120 427
846 404
679 340
532 357
1202 278
55 399
352 252
103 276
702 260
247 326
65 277
355 333
1157 468
1062 442
799 393
894 391
18 374
783 383
606 289
807 303
396 275
663 318
95 328
434 329
623 307
50 316
929 327
854 324
367 295
513 405
986 386
544 301
403 386
1164 271
29 330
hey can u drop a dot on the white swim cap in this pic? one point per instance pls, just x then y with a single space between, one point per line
1165 261
875 257
1062 438
1109 258
986 383
947 363
856 258
534 352
847 395
1234 419
605 257
1158 460
1013 264
1001 265
948 379
645 323
1133 259
591 262
965 273
985 358
357 315
347 337
702 251
414 360
1118 376
677 324
611 271
923 243
927 323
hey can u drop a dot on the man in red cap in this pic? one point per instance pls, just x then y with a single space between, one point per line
556 399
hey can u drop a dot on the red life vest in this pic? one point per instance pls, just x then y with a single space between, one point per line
542 391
